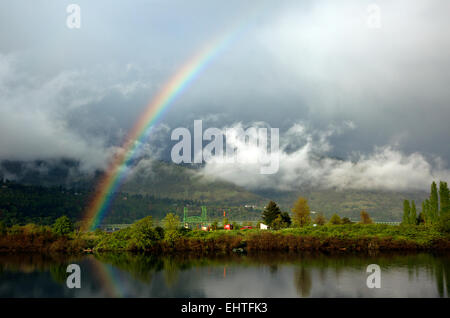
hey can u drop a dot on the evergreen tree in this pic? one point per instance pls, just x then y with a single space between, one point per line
301 212
434 203
285 217
413 213
270 213
444 198
406 212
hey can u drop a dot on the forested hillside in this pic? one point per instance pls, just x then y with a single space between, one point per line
381 205
164 187
22 204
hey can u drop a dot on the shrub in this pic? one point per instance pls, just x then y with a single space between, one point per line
346 220
2 228
99 232
15 230
444 223
62 226
172 236
142 234
160 232
171 222
118 240
31 229
278 223
320 219
335 219
365 218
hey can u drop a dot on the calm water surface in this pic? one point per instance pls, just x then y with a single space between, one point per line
262 275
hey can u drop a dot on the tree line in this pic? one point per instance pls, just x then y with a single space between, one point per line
435 209
301 216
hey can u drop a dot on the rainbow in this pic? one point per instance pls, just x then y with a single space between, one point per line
118 168
109 279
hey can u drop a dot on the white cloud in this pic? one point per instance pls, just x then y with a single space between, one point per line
309 164
35 115
314 61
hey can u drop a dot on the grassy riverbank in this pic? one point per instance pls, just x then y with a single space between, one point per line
142 236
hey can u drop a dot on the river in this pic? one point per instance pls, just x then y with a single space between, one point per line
257 275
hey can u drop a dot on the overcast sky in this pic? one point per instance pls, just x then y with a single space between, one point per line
334 86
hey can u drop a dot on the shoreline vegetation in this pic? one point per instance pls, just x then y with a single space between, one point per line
295 231
142 237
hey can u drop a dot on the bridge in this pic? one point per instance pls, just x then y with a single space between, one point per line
112 227
195 220
388 222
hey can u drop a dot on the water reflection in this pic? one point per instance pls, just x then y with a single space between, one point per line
256 275
303 281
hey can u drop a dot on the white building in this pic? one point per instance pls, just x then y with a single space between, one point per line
263 226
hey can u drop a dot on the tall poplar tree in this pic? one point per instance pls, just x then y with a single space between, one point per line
413 213
406 211
424 211
301 213
434 203
444 198
365 218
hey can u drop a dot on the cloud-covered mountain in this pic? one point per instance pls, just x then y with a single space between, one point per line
375 98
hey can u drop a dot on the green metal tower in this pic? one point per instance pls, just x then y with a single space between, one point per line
202 219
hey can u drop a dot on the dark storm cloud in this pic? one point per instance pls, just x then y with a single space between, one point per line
76 93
